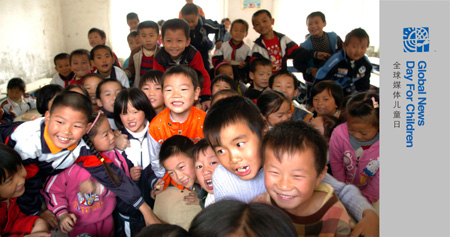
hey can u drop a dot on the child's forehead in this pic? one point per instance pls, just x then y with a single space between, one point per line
68 112
62 60
94 33
147 30
260 17
80 57
177 79
101 51
315 18
262 67
358 40
174 33
283 79
91 79
110 86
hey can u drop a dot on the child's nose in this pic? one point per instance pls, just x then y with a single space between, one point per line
284 183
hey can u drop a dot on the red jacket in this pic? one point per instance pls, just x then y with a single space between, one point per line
12 221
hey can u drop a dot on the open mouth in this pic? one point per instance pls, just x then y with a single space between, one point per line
64 140
209 184
185 182
177 103
285 197
242 171
131 125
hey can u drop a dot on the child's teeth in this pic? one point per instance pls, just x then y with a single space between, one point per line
242 169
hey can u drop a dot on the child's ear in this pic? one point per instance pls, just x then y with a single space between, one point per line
197 92
273 21
321 175
188 41
103 41
251 75
99 103
47 117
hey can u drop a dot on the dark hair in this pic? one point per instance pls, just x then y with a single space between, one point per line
72 86
331 86
60 57
163 230
270 101
9 163
361 106
151 75
73 100
175 24
330 122
291 137
160 22
227 92
239 21
225 217
148 24
189 9
137 98
79 52
225 78
94 74
314 14
220 65
132 15
262 11
100 46
177 144
132 34
284 73
183 70
44 95
357 33
228 111
200 146
100 85
97 30
225 19
16 83
116 180
259 62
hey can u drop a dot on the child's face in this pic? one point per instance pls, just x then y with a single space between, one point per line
134 120
90 84
181 169
227 24
281 115
153 91
262 24
95 39
291 183
148 38
261 76
80 65
15 93
324 103
175 42
108 94
205 165
285 84
238 150
104 139
179 96
134 43
63 67
226 70
315 26
360 129
238 32
218 86
356 48
66 126
133 24
103 61
13 185
192 20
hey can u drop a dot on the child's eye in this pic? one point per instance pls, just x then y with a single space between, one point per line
220 151
273 172
213 163
198 166
240 144
181 167
170 173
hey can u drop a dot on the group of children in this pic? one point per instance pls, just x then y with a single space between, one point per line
111 140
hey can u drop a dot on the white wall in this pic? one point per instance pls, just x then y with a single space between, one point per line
31 36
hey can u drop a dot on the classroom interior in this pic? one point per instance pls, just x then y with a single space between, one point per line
35 31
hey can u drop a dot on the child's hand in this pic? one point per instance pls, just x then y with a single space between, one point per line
50 218
159 187
121 140
206 105
313 71
218 44
135 173
67 221
227 60
191 199
242 64
369 225
87 186
323 56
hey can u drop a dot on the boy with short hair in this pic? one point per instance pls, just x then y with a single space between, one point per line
260 72
271 44
234 128
17 103
142 58
97 37
177 50
132 21
199 30
288 83
349 67
102 59
133 43
295 157
318 46
64 72
80 64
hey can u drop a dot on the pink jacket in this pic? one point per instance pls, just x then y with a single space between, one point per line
361 171
62 195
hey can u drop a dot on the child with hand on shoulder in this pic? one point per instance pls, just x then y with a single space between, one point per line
102 58
150 84
80 64
295 157
355 146
275 107
12 185
64 72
